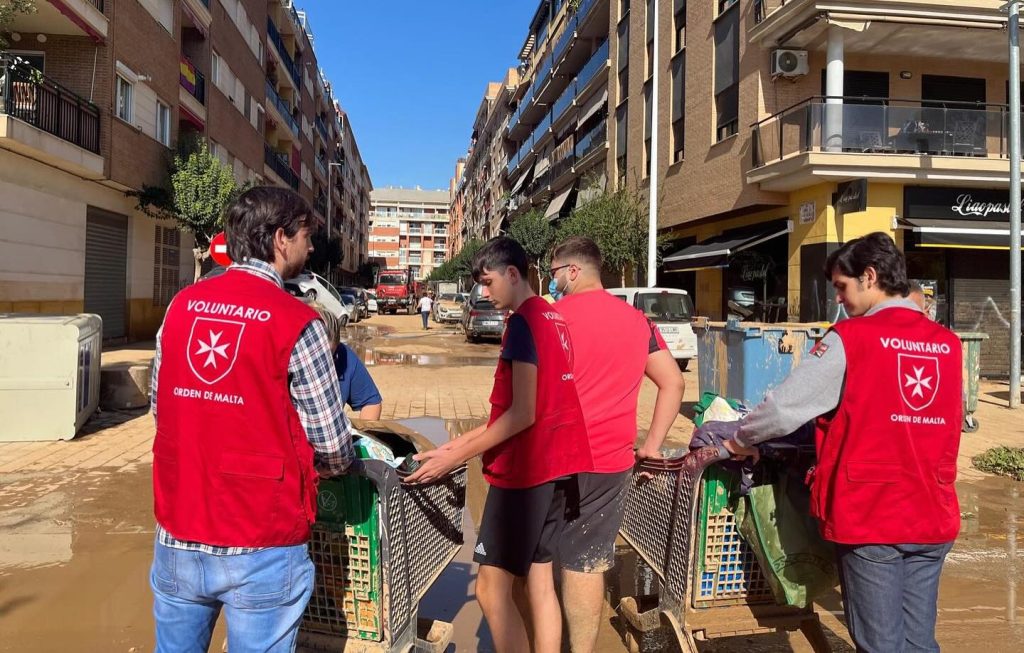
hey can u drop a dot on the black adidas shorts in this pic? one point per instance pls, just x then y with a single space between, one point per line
522 526
592 522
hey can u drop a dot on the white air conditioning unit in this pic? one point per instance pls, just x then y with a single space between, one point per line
789 63
49 375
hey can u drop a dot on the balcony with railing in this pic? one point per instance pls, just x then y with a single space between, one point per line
594 139
322 128
880 136
65 17
320 206
282 107
321 167
598 62
193 81
282 51
27 96
278 162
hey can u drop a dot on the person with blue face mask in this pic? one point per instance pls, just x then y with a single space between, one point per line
553 290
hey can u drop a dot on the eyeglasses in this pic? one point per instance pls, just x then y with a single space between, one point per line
561 267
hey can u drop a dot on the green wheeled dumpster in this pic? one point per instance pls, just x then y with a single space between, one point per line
971 341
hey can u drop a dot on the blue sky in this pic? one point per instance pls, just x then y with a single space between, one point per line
411 75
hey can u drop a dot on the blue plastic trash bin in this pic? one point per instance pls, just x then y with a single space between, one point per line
744 360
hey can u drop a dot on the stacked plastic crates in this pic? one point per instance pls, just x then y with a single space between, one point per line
377 547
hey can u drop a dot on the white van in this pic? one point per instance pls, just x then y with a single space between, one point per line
671 310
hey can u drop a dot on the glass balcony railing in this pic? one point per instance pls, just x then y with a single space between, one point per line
592 140
584 9
289 63
764 7
564 101
321 167
30 96
883 126
192 80
596 63
278 162
282 108
563 42
513 163
322 128
543 72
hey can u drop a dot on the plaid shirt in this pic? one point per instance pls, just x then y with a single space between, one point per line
315 392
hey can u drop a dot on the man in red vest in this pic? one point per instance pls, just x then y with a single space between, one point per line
249 415
885 387
532 447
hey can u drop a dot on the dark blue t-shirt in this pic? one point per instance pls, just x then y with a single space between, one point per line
519 344
357 387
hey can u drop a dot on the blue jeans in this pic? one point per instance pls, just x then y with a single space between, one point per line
889 595
426 316
263 595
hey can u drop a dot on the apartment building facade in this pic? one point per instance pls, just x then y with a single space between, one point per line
457 200
409 228
785 128
97 95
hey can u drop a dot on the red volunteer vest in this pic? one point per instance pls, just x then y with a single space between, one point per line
556 445
887 458
231 462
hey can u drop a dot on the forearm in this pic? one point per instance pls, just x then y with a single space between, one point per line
509 424
813 389
371 412
666 409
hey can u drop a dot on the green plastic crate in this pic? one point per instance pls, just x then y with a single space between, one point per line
345 548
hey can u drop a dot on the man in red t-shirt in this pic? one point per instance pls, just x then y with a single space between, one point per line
614 347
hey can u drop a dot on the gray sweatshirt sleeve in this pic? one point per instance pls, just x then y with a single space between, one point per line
813 389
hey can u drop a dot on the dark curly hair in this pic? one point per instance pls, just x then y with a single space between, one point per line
875 250
253 219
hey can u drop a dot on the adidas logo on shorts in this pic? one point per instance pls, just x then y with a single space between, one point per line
480 549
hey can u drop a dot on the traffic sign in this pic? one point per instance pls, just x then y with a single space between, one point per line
219 250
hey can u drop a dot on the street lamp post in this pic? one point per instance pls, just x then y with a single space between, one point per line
652 217
1013 29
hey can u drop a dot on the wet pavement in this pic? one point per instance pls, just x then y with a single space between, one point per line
75 547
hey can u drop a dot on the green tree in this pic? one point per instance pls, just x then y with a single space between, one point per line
534 232
617 222
202 187
8 10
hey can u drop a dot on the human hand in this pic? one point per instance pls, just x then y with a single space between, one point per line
648 453
739 452
434 465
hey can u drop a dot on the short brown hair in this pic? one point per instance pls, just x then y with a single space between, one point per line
253 219
580 248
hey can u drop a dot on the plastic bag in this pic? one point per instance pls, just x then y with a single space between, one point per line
775 521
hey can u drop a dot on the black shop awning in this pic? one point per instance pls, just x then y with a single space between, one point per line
715 251
958 234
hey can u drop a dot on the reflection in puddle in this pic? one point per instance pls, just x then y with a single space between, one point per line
371 358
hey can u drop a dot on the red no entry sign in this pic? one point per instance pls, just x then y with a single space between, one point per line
219 250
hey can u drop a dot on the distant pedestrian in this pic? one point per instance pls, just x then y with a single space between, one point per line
425 306
532 448
885 388
608 379
249 413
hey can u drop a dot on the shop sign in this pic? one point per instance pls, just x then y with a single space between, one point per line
851 197
808 212
925 202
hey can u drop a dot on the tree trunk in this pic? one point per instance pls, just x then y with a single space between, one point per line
200 255
540 279
622 277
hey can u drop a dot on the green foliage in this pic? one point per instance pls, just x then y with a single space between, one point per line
8 10
617 222
534 232
203 187
460 265
1005 461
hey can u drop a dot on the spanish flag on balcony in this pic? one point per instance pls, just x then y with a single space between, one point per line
188 76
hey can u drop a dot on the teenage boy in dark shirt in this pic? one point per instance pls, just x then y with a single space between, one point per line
532 447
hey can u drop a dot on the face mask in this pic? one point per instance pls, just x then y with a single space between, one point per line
553 290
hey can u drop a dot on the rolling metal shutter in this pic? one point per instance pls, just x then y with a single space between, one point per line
106 269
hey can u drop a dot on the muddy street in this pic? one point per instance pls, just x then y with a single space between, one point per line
76 524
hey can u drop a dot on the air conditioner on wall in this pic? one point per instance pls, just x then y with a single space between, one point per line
789 63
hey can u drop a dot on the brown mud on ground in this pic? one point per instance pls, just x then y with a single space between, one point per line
75 554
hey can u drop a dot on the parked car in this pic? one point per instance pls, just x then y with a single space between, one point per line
481 318
362 299
448 308
309 286
312 287
371 301
671 310
357 315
